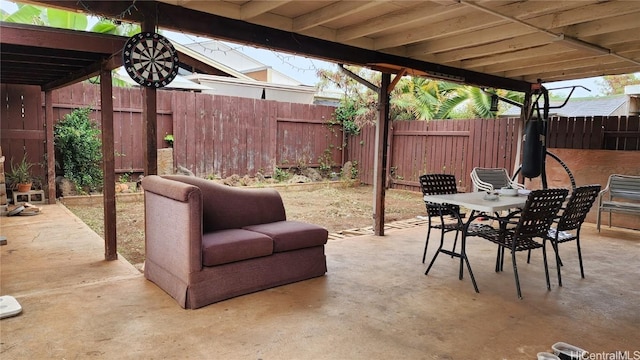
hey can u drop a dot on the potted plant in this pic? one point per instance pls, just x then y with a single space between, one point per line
20 175
169 139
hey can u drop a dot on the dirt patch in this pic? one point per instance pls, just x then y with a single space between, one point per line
336 208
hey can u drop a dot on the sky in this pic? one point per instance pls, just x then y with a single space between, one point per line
304 69
298 67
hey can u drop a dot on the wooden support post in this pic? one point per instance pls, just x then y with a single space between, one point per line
108 165
380 160
50 148
149 105
150 131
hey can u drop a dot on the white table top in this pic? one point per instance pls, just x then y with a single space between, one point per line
476 201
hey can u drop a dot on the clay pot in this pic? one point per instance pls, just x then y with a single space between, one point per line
24 187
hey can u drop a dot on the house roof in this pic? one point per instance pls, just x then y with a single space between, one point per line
204 58
225 55
502 44
178 83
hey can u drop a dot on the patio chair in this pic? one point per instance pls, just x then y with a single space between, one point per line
490 179
570 221
533 221
438 184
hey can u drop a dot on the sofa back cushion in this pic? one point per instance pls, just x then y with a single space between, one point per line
225 207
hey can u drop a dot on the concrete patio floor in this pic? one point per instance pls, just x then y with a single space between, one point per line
374 303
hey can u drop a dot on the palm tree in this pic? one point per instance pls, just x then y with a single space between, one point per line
463 101
466 102
416 98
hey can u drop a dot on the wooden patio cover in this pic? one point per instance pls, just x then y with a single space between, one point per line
494 44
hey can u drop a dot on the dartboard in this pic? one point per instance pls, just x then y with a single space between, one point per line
150 59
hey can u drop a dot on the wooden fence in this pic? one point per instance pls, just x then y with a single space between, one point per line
598 133
457 146
218 135
214 135
442 146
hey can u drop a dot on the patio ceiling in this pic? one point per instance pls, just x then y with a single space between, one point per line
504 44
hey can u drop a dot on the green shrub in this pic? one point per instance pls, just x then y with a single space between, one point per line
345 114
281 175
77 142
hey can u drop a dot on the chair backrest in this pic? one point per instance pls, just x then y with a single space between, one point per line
625 186
578 206
539 211
489 179
438 184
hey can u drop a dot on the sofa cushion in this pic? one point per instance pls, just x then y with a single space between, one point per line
225 246
291 235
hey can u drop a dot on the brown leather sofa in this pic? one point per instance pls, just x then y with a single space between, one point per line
207 242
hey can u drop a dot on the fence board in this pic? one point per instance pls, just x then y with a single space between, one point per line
611 142
597 133
562 134
200 136
632 136
581 133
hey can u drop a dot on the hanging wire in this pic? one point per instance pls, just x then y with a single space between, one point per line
284 58
119 17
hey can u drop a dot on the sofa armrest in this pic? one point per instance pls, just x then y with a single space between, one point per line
173 226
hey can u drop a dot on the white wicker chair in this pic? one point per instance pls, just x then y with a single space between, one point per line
490 179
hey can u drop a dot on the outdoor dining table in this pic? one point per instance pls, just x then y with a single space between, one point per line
478 203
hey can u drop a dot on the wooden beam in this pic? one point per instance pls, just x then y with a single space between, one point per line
255 8
108 166
422 13
149 105
541 59
396 79
112 62
564 65
183 19
329 13
222 8
359 79
596 70
500 47
235 30
53 38
538 14
603 26
461 41
583 14
380 159
464 21
525 55
558 76
50 148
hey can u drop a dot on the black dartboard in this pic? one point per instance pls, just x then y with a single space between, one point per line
150 59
